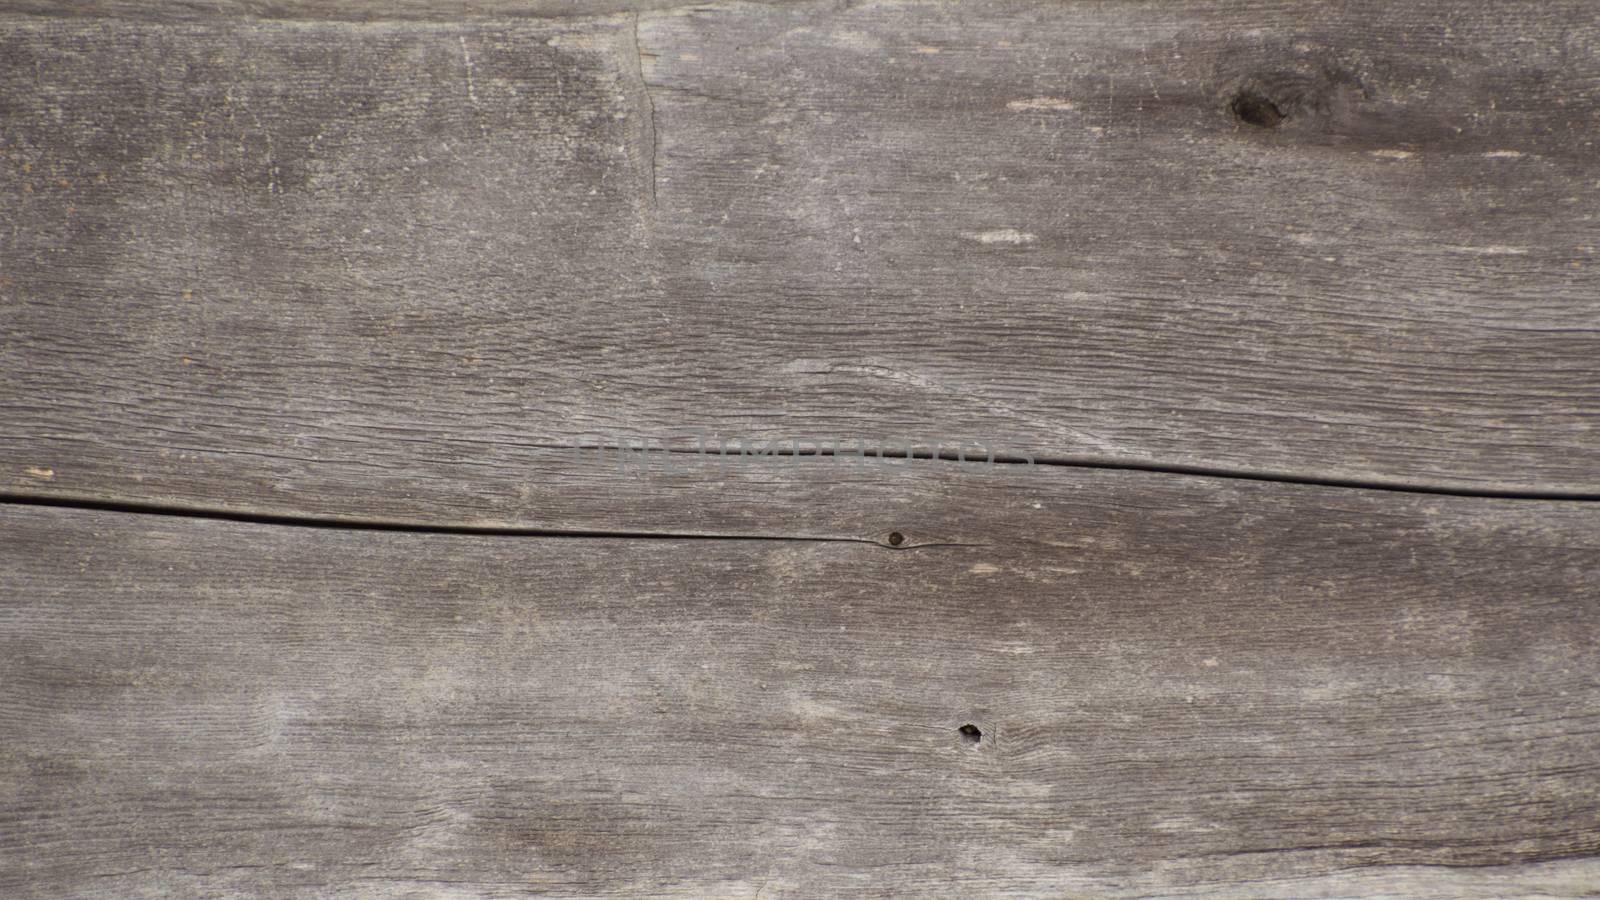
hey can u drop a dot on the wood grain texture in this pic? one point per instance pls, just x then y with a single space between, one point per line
362 11
1183 686
377 266
314 267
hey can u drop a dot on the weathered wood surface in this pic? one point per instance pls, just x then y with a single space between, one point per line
308 263
366 11
1182 685
375 269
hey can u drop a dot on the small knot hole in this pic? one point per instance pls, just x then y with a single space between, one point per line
970 733
896 539
1254 108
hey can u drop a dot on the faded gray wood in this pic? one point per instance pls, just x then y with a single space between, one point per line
377 270
333 10
1183 686
1180 683
379 264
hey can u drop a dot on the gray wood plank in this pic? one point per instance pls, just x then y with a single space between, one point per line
1183 686
329 267
365 11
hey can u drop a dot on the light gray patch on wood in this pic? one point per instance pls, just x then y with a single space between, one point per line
1184 686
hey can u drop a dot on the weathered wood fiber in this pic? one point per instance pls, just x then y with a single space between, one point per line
1183 686
365 11
295 267
378 264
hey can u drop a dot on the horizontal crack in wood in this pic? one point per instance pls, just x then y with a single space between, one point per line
1066 462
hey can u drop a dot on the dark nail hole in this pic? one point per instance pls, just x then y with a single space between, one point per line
1254 108
970 733
896 539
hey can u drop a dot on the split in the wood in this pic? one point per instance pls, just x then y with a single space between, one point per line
640 455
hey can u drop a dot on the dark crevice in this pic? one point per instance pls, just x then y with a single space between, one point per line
1397 487
1254 108
871 455
894 539
342 524
1499 861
